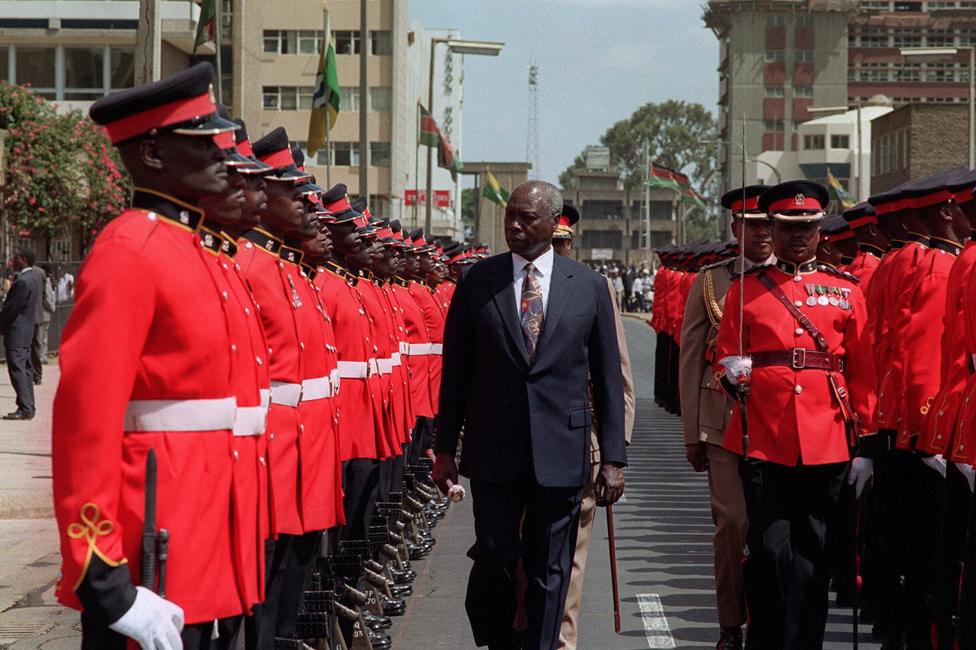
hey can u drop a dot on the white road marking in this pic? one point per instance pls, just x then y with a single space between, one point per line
655 622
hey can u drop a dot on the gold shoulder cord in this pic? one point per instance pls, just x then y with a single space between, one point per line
711 303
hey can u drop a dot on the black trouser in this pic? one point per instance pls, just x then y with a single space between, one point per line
38 354
842 543
788 569
21 375
894 487
360 478
545 545
390 477
966 630
955 513
290 562
97 636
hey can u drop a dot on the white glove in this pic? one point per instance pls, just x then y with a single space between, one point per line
861 470
152 622
937 462
737 368
969 472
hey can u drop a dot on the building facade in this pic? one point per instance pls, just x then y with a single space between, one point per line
917 140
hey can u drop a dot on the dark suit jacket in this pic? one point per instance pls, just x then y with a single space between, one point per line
513 412
19 311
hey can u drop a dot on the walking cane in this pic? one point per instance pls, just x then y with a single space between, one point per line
613 569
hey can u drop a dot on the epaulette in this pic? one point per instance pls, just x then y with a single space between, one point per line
833 270
755 269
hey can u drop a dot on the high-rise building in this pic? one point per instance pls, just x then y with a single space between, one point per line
75 51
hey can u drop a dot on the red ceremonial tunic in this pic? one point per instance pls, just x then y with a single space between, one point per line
863 268
434 320
401 378
794 416
353 342
321 485
963 443
418 350
265 273
146 365
942 416
917 334
388 444
252 386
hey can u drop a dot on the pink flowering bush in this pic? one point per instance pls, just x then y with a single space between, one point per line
61 171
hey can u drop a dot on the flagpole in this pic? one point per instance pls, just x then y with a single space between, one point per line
416 170
218 18
326 42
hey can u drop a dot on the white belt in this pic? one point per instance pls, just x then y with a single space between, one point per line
251 420
334 378
385 365
180 414
372 367
352 369
396 359
404 347
285 394
313 389
418 349
437 348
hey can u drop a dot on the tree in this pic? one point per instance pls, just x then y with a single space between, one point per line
469 199
680 135
61 170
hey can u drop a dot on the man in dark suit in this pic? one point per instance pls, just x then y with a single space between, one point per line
526 333
17 318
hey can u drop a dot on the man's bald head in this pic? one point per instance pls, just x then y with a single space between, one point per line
530 218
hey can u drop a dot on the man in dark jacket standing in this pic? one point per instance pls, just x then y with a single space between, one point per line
17 319
526 332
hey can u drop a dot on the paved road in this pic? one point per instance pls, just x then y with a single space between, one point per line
663 541
664 552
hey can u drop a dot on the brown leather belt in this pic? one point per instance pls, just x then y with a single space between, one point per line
798 359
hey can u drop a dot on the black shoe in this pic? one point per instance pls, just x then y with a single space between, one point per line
19 415
379 640
730 639
393 606
377 623
401 591
403 577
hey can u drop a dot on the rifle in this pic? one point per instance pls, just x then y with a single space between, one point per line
613 569
154 546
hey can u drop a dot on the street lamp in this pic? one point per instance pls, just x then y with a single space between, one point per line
936 53
457 46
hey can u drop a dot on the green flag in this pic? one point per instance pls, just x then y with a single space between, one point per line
325 101
207 24
493 191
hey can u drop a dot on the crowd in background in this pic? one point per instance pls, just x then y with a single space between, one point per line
634 285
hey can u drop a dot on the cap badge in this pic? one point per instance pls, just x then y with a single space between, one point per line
799 199
184 217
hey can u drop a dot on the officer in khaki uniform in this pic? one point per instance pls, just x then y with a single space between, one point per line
562 242
705 406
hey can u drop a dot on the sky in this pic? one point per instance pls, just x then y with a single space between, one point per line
599 60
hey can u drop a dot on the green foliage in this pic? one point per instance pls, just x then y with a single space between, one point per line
61 170
469 199
681 136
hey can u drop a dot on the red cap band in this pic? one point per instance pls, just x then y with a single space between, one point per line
182 110
384 233
279 159
798 202
225 140
964 196
841 236
934 198
748 204
862 221
398 235
564 220
342 205
420 242
892 206
244 148
361 221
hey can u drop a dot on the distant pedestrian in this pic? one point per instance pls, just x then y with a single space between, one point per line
45 307
17 317
66 287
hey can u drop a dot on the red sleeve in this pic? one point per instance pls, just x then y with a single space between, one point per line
859 370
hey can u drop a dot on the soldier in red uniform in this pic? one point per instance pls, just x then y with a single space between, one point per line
804 356
263 258
146 287
871 243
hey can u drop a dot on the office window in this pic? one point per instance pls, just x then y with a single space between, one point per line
272 41
813 142
775 126
602 238
875 39
381 43
380 100
379 204
803 56
309 42
4 62
35 66
346 42
305 94
122 61
907 39
380 154
349 99
775 91
776 21
840 142
84 69
804 20
803 91
774 55
939 39
345 153
270 98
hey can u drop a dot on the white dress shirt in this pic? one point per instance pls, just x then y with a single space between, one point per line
542 273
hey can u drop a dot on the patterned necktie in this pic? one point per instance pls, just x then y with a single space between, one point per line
531 309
